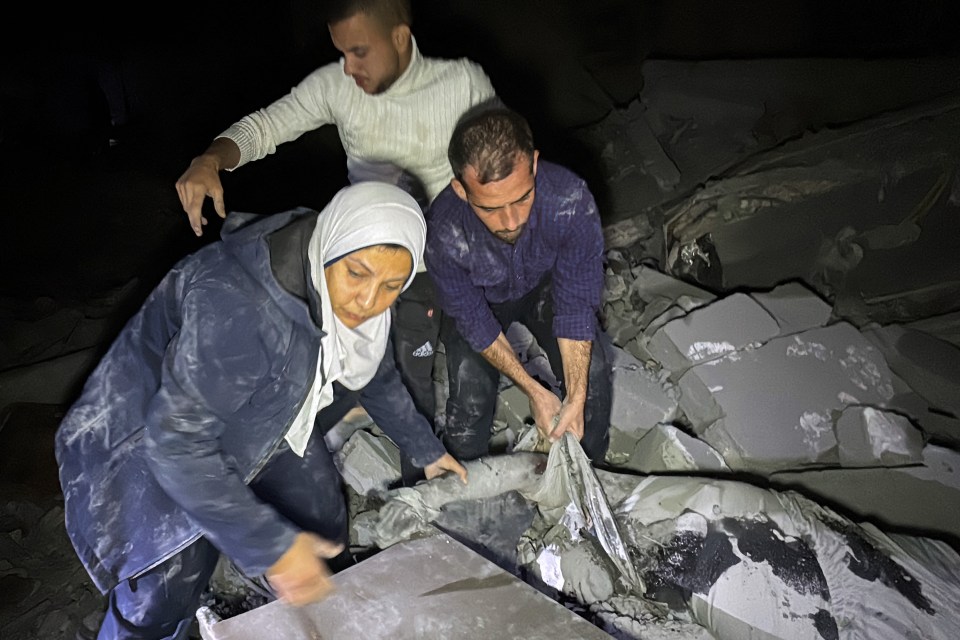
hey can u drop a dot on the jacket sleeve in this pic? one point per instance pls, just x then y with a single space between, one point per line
216 364
388 402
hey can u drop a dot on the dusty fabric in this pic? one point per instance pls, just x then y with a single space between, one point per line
739 560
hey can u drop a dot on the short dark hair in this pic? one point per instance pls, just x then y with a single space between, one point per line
389 13
489 138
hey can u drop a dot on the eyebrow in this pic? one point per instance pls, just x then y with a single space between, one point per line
353 260
501 206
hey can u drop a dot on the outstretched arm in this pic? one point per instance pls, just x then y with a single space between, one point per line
202 179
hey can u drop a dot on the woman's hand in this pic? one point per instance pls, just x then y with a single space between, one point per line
446 463
300 576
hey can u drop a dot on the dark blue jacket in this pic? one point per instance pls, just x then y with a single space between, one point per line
192 398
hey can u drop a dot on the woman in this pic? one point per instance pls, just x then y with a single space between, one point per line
201 430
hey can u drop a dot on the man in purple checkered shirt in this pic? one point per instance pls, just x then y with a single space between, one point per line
514 239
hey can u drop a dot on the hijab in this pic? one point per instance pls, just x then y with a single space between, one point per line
362 215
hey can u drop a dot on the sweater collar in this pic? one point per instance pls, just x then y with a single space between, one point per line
409 79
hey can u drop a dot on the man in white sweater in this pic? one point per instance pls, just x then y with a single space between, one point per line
394 111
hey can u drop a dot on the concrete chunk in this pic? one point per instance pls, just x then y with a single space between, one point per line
369 463
513 408
795 307
666 448
707 333
641 397
774 407
870 437
928 364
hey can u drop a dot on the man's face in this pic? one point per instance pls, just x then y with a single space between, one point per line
503 205
372 56
364 284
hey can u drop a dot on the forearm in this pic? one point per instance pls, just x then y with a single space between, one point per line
500 354
576 368
223 154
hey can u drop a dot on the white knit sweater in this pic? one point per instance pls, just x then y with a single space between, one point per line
399 136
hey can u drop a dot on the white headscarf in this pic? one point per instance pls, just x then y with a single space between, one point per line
359 216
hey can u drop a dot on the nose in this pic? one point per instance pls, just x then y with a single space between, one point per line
510 218
367 297
349 65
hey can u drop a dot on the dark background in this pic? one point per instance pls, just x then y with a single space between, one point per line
191 68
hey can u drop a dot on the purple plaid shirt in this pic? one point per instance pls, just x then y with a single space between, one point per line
472 268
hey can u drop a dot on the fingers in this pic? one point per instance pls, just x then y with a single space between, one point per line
300 576
196 223
327 549
445 463
461 471
218 205
299 589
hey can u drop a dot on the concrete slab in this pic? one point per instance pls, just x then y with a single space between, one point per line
369 463
433 587
641 398
704 334
774 407
795 307
923 499
666 449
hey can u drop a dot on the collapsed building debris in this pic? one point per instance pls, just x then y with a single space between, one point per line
736 559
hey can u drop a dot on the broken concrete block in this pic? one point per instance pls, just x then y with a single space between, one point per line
795 307
642 398
648 284
622 328
707 333
773 407
666 448
869 437
940 465
928 364
513 408
923 497
369 463
614 287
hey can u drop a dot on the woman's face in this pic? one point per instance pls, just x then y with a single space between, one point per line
364 284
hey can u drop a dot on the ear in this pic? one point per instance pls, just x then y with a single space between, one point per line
536 155
401 37
458 189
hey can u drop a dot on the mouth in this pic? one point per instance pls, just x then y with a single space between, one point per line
351 318
509 235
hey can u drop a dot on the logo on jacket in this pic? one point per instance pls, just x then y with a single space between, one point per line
423 351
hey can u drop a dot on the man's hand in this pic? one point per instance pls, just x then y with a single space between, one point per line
300 576
570 419
445 463
544 407
201 179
